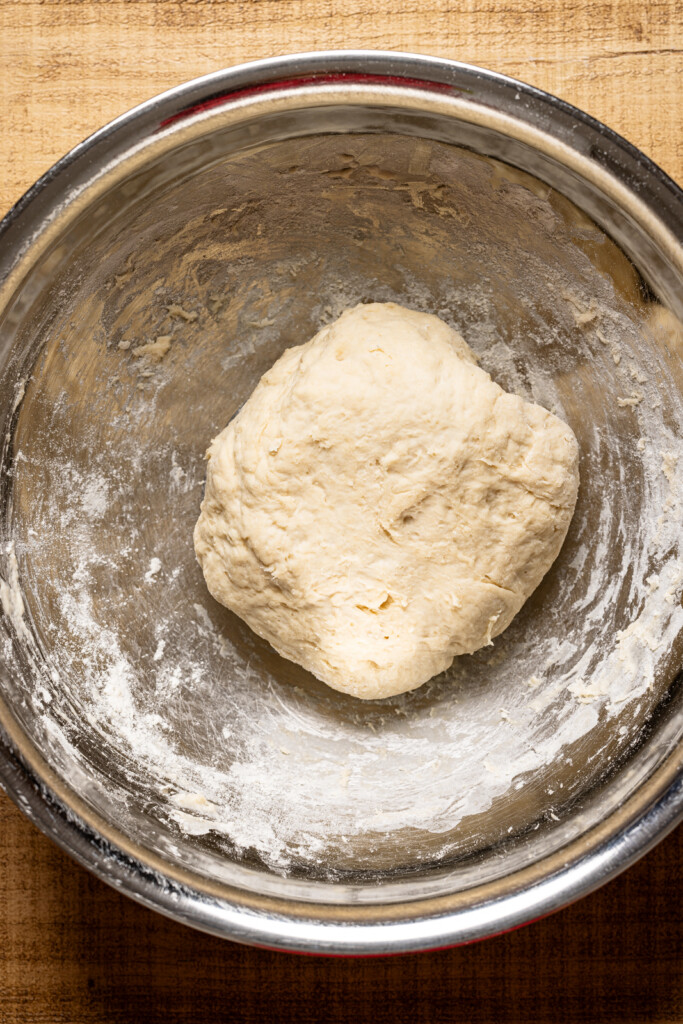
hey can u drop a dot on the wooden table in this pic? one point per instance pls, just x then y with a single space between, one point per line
72 950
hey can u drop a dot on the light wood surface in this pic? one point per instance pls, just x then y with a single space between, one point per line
69 66
73 951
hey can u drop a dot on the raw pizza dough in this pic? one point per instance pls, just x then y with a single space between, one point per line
380 505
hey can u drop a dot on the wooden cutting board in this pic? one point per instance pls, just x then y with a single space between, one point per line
72 950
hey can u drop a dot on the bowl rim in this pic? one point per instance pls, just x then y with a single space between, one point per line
48 801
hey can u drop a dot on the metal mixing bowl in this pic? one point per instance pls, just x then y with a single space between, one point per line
145 728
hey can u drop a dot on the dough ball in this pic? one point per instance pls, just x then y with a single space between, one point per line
379 505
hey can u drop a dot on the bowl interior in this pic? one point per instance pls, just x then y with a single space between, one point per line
168 717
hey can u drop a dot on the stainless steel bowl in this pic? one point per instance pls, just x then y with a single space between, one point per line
146 729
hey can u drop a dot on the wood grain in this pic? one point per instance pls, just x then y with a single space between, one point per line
72 65
74 951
